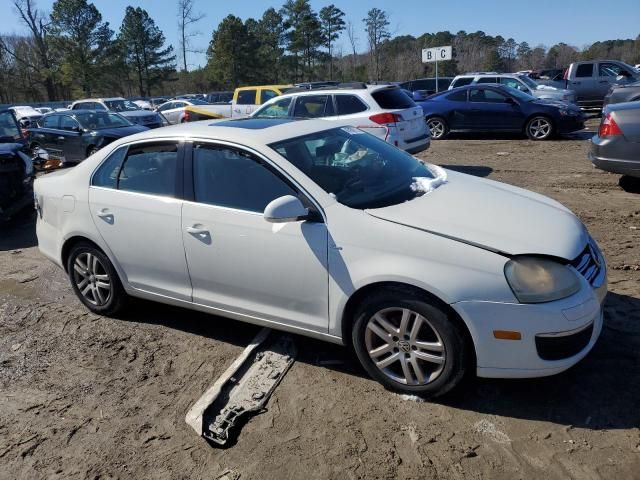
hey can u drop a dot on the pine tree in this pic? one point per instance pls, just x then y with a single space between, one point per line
332 22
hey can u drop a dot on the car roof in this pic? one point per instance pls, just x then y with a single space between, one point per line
264 86
99 99
263 131
334 91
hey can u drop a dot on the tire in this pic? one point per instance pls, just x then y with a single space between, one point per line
91 150
539 128
438 338
439 128
91 272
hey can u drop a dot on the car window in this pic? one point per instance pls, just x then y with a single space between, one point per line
9 128
313 106
81 105
513 83
429 84
68 123
457 96
487 80
267 95
349 104
609 70
99 106
279 108
107 174
100 120
50 121
166 106
486 96
150 168
360 170
461 82
584 70
246 97
393 98
179 104
230 178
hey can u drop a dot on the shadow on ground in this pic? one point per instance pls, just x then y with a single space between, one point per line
19 232
599 393
475 170
629 184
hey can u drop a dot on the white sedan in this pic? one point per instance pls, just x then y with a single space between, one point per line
323 230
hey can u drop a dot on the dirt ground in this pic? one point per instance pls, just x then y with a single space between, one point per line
88 397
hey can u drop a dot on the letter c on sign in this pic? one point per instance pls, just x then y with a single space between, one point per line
443 53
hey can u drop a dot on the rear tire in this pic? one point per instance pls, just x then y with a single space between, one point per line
409 344
439 128
91 151
95 281
539 128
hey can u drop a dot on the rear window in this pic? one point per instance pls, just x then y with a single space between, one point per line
584 70
246 97
487 80
349 104
458 96
461 82
393 98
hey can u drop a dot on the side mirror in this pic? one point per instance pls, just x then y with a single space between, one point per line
285 209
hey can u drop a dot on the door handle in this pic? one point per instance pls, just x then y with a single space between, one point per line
104 213
603 81
197 230
61 138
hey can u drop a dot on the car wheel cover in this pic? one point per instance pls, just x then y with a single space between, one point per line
405 346
437 128
539 128
92 279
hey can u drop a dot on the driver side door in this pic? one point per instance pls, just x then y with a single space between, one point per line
238 262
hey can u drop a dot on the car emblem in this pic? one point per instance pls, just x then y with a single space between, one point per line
404 346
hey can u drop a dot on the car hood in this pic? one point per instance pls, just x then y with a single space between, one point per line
9 148
135 113
493 216
120 131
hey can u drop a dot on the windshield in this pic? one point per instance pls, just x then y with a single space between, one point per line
197 101
9 129
522 96
121 105
530 83
101 120
358 169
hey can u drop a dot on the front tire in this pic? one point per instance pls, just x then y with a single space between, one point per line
409 344
439 128
539 128
91 150
95 281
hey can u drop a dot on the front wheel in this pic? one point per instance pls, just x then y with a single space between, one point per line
91 151
438 126
95 281
539 128
409 344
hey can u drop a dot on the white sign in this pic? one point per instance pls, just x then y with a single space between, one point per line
436 54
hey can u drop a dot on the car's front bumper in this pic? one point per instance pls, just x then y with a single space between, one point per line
559 325
570 123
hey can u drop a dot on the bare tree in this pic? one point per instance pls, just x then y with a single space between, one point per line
187 18
37 24
353 40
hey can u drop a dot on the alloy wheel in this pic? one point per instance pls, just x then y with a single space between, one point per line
540 128
437 128
92 279
405 346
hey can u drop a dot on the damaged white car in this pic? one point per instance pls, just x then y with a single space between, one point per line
329 232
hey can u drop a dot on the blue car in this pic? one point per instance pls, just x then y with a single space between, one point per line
498 108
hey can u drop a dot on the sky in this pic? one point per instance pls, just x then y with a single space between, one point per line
547 22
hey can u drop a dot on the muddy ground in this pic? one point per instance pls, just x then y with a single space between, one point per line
89 397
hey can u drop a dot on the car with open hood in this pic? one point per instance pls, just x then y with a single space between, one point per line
73 135
318 228
16 167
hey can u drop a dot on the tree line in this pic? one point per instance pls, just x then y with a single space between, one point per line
72 52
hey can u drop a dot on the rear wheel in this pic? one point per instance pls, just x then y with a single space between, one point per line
94 280
409 344
539 128
91 150
438 126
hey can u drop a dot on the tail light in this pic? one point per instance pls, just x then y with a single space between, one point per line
608 127
187 116
385 118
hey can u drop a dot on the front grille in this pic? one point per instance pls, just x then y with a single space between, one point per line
590 264
565 346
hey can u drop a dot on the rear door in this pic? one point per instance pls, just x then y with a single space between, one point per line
351 108
314 106
45 136
411 125
584 82
245 102
136 206
607 75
